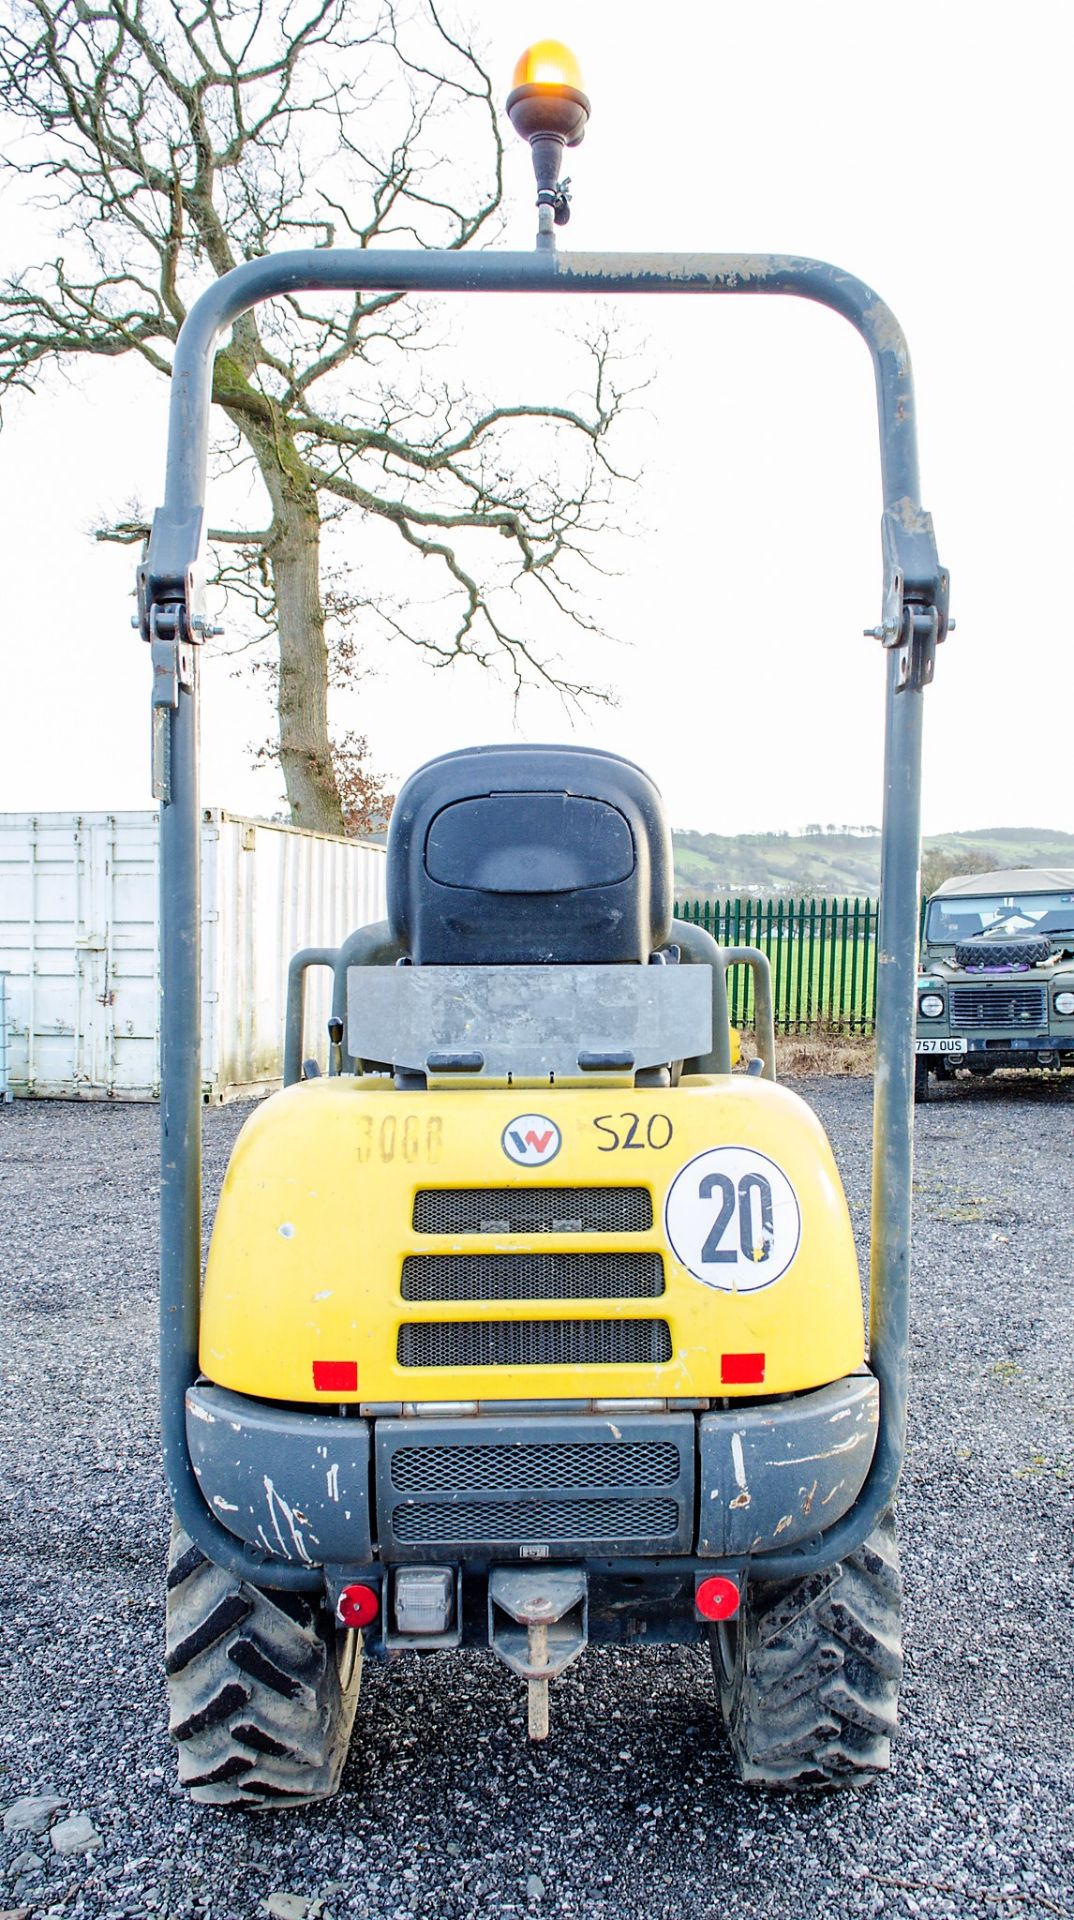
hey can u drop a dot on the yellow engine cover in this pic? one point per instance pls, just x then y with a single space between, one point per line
750 1285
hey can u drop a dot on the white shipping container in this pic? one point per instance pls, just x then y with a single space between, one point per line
5 1090
78 943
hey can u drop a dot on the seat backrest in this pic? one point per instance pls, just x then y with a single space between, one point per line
519 855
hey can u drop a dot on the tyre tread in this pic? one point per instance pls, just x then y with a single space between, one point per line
813 1699
257 1709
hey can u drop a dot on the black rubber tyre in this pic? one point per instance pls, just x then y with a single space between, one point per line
922 1089
262 1687
809 1672
1027 952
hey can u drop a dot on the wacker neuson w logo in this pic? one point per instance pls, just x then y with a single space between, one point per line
531 1140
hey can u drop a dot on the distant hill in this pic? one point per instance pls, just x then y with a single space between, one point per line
847 860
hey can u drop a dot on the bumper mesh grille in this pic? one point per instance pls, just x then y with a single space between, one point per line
549 1464
533 1210
515 1522
533 1276
534 1343
992 1007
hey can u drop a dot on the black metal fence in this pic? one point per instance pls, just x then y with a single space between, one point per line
822 954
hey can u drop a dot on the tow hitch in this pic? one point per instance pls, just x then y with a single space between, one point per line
538 1624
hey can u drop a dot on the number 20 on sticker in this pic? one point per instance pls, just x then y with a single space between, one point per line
733 1219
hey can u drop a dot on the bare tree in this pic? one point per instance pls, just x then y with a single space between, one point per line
174 138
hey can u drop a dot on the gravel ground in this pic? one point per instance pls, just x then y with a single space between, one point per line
631 1809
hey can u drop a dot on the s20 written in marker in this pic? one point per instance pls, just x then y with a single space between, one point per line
627 1132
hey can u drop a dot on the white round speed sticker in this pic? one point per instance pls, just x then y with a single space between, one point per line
733 1219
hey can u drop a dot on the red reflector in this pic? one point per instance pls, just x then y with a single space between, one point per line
742 1369
335 1376
717 1598
357 1606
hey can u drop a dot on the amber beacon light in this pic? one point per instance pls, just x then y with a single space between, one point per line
548 107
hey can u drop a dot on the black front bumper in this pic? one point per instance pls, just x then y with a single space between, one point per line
1006 1050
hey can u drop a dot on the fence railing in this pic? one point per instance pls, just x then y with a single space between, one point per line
822 954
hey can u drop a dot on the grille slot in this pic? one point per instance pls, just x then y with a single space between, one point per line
534 1343
995 1006
533 1210
548 1464
515 1522
533 1276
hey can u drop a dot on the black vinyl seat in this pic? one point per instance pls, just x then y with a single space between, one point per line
523 856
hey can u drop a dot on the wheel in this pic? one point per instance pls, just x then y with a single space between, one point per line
262 1687
809 1671
921 1078
1030 951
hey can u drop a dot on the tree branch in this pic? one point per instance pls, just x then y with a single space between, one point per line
164 139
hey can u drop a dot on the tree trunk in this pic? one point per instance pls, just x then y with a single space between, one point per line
302 698
293 552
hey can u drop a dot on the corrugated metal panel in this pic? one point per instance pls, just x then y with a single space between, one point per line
273 891
78 940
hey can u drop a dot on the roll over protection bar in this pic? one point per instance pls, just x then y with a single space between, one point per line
173 622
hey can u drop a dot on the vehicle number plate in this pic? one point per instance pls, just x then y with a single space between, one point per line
941 1046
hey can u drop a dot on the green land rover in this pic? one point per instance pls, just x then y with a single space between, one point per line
996 987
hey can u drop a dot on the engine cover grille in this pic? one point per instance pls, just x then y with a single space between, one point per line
533 1343
532 1485
995 1006
533 1276
533 1210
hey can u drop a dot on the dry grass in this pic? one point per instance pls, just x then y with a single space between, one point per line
801 1054
832 1053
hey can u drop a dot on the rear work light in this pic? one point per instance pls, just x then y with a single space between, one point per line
717 1598
358 1605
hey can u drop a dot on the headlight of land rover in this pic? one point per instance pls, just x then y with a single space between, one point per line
1064 1003
931 1005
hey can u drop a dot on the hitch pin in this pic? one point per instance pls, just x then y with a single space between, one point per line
537 1702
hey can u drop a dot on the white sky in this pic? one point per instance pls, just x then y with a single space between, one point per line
924 148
